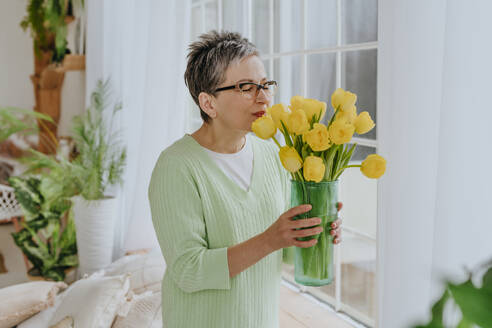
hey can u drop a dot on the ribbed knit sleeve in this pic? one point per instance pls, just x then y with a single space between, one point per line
178 220
287 253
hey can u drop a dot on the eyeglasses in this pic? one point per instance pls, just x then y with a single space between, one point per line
250 90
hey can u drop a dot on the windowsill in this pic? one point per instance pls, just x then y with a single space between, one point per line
298 311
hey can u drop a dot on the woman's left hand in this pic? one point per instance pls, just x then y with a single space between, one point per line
336 229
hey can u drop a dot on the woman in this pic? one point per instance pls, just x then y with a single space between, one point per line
218 198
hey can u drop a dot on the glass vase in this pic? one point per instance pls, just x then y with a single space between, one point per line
313 266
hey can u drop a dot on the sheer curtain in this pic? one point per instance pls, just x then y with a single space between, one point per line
434 130
141 46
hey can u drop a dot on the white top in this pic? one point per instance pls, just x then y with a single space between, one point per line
237 166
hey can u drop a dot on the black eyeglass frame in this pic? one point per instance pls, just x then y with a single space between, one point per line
237 86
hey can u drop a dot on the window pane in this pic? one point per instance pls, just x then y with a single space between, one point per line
196 22
359 197
359 21
359 75
287 22
321 23
288 274
266 64
328 289
261 25
211 16
359 273
321 80
287 72
234 17
360 153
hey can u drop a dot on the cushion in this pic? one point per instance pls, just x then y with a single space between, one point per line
146 271
26 299
42 318
94 301
145 311
66 322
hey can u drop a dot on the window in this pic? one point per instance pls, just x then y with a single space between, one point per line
311 47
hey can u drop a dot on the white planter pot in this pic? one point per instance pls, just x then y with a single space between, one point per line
94 222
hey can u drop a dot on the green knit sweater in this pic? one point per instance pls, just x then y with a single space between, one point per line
198 212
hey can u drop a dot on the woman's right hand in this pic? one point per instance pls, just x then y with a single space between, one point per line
282 233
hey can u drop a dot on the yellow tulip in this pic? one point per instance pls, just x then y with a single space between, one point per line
264 127
290 158
363 123
317 138
337 97
344 99
279 112
348 116
373 166
310 106
340 132
297 122
296 102
314 168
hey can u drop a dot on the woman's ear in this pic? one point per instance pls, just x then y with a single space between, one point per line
207 104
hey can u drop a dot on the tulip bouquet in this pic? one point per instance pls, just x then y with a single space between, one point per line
316 155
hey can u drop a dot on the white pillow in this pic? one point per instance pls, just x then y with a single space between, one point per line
94 301
67 322
146 311
25 300
42 318
146 271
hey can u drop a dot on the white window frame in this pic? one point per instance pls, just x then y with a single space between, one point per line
335 302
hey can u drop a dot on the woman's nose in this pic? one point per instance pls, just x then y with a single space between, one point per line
263 97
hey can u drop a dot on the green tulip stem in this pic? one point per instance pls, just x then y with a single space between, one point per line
343 168
333 117
303 187
276 142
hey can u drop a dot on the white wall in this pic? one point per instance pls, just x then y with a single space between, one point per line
16 56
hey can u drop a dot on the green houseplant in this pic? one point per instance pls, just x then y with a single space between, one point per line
99 165
47 237
102 157
47 21
48 242
58 184
474 302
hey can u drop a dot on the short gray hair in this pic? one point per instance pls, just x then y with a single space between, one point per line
209 58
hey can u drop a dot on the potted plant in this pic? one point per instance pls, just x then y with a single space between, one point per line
100 164
471 298
316 155
47 20
47 237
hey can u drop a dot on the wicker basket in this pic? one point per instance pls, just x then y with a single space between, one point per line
9 207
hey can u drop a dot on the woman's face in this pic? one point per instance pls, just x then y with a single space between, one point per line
233 109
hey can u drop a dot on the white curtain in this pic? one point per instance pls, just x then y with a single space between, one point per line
141 47
434 130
